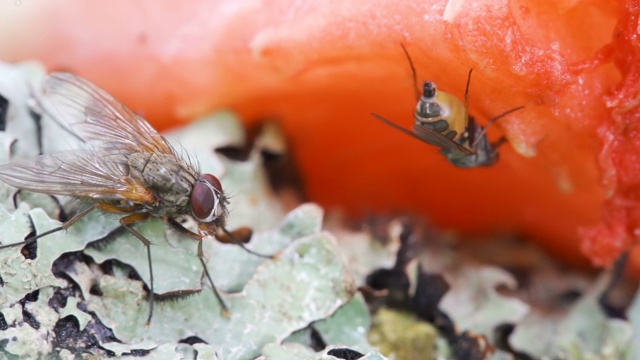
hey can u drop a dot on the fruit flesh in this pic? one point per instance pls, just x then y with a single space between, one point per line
568 178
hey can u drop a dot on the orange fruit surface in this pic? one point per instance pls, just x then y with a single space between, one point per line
568 178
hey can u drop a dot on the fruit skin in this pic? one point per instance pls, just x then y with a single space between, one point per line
568 179
619 157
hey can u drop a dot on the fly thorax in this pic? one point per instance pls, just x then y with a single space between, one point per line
485 154
168 177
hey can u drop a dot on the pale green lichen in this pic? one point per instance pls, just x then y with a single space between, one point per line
176 265
633 314
25 341
71 309
304 283
474 303
292 351
583 332
363 252
349 326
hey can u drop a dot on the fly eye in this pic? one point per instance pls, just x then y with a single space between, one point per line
213 181
206 198
429 90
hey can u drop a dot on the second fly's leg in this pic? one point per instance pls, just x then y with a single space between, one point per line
493 121
64 226
184 231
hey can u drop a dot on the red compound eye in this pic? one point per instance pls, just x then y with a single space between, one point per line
213 181
204 198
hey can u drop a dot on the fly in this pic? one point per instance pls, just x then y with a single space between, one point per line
443 120
130 171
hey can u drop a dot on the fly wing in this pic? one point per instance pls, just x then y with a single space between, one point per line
427 135
97 118
437 139
100 176
396 126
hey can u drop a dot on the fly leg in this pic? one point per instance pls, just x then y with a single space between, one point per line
502 140
184 231
127 222
64 226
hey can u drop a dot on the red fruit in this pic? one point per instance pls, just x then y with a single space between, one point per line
323 67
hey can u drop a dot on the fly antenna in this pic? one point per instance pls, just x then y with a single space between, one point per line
414 74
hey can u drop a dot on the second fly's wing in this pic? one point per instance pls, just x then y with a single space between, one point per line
396 126
429 136
80 173
98 118
435 138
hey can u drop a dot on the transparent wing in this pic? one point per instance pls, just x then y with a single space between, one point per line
437 139
100 176
97 118
432 137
